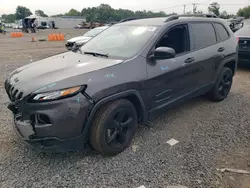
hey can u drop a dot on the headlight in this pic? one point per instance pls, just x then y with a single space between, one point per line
57 94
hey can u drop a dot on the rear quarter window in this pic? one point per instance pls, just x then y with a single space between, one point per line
221 31
203 35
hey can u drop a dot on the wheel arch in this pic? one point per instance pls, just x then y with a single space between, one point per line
132 95
229 63
232 64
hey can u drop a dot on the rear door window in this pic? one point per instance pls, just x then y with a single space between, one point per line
203 35
221 31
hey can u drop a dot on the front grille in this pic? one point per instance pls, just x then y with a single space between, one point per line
13 93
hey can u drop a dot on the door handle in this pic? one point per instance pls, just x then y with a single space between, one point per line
189 60
221 49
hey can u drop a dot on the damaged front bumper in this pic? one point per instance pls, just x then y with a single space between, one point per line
55 126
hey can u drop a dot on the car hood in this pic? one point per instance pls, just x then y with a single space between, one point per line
82 38
37 75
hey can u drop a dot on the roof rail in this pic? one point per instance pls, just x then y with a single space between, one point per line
175 17
208 15
127 19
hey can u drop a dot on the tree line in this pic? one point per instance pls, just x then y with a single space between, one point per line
215 8
105 13
21 12
244 12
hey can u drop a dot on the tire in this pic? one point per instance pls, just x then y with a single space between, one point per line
222 86
113 127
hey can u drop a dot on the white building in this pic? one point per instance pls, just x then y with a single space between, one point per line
59 22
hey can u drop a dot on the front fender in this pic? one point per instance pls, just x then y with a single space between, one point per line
105 100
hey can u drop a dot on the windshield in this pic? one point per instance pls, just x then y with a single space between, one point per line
121 41
93 33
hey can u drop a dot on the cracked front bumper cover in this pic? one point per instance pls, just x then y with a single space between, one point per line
24 128
63 132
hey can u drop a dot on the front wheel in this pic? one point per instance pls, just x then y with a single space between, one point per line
113 127
222 86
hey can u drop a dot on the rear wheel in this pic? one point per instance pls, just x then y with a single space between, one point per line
222 86
113 127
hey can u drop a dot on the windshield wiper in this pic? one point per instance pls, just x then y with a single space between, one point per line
96 54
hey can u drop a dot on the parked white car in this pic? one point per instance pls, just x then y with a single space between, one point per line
79 41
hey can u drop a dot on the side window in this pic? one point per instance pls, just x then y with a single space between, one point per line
176 38
222 32
203 35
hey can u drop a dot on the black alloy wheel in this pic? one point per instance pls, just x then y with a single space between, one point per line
113 127
225 84
119 127
222 86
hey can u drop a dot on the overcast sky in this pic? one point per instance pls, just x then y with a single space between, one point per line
51 7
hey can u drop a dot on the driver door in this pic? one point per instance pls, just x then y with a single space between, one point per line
171 79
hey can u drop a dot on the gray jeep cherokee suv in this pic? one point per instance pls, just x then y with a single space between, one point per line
123 76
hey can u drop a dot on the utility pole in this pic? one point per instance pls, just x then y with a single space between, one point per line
184 11
194 8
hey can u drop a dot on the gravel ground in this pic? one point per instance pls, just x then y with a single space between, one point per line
211 135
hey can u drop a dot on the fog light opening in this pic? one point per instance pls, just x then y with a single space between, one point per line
42 119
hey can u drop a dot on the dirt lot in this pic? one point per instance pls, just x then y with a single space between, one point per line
211 135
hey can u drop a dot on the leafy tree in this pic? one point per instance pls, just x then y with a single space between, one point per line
40 13
9 18
22 12
224 15
73 12
244 12
105 13
215 8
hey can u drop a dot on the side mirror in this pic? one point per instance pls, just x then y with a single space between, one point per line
163 53
78 45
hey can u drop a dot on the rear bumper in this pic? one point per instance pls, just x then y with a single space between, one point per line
244 57
56 126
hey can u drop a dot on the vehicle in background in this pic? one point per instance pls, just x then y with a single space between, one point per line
243 37
235 23
89 25
123 76
79 26
43 27
16 26
76 42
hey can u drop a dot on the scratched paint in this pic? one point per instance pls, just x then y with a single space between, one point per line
168 90
163 68
110 76
78 99
45 87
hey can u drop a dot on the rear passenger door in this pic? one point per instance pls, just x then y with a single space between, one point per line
224 46
204 44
